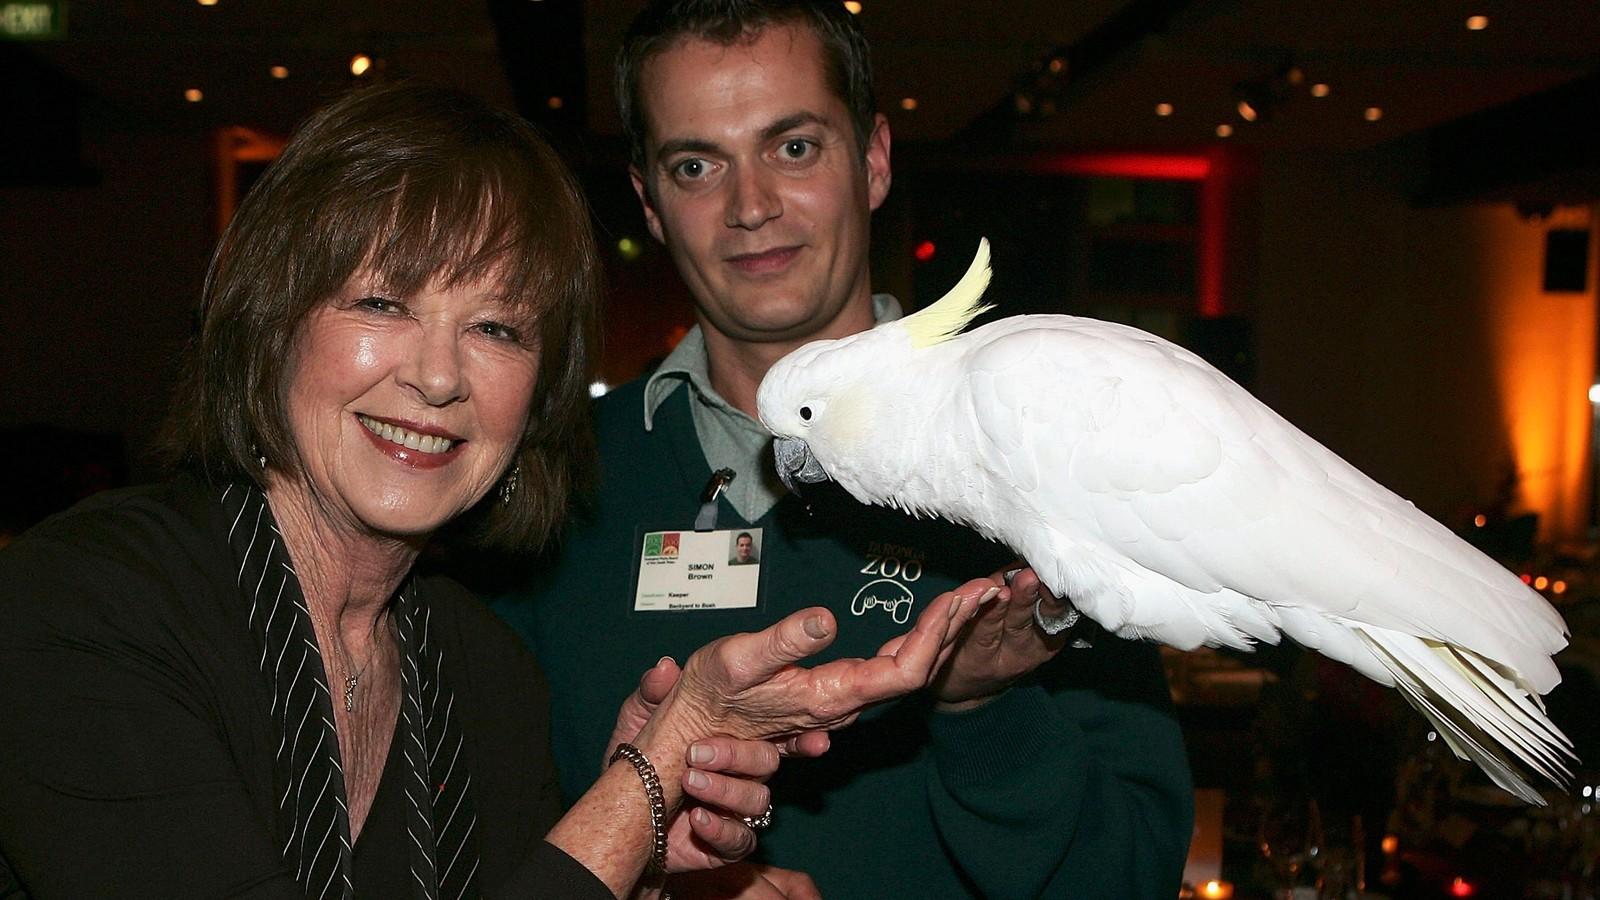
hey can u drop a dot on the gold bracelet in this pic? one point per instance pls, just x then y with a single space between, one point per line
658 801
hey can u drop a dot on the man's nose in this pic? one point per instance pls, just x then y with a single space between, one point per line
753 200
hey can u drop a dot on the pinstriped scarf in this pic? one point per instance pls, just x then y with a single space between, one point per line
307 772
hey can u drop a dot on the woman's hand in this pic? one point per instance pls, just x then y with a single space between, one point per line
747 686
725 779
745 881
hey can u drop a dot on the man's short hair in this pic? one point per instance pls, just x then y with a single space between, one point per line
416 183
728 22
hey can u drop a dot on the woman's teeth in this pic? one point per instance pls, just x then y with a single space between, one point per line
422 443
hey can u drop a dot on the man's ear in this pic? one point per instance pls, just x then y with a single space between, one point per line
652 220
877 159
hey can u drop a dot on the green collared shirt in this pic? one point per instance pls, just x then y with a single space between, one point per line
729 438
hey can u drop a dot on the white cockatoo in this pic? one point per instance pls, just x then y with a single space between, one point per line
1169 504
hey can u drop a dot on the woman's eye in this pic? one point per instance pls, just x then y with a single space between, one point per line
499 332
380 304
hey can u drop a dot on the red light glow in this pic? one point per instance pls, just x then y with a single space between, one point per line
1461 887
1211 171
924 251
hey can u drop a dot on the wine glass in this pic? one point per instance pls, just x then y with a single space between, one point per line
1290 842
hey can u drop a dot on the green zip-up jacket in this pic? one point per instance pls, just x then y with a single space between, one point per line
1073 783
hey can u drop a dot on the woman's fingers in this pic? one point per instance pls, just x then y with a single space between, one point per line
749 659
905 663
739 796
728 838
750 759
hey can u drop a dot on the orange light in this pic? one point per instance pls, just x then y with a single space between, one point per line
1372 114
1558 587
279 72
1480 520
1163 109
1477 23
555 103
193 95
1057 65
925 251
1390 844
1215 890
1541 583
1460 887
1320 89
1247 112
908 103
853 7
360 64
1224 130
207 2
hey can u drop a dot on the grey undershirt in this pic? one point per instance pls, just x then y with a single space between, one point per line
729 438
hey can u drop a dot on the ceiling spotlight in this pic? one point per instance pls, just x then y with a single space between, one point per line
1320 89
1224 130
1023 104
1477 23
908 103
1163 109
360 64
1246 111
279 72
1057 66
193 95
853 7
1372 114
208 2
1295 76
555 103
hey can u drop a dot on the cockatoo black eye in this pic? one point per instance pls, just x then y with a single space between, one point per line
805 413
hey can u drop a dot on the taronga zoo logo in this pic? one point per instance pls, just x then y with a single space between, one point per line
886 594
661 544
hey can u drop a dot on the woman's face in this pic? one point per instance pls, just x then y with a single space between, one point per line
406 410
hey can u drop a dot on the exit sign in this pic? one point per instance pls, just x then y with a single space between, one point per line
33 20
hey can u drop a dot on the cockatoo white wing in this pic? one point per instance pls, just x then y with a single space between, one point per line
1159 457
1171 504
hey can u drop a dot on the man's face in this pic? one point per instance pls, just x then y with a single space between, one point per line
754 183
743 546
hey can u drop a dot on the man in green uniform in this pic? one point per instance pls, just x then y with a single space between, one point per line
1025 770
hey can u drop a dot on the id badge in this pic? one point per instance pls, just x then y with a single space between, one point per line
685 569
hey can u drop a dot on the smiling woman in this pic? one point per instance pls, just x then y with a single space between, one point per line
234 682
361 210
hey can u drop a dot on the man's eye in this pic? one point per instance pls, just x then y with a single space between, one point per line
795 148
690 169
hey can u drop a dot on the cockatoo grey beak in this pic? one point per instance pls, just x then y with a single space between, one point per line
795 463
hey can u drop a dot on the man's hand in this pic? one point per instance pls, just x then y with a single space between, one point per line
745 881
1001 645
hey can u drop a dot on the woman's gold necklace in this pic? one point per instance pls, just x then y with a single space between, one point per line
352 680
